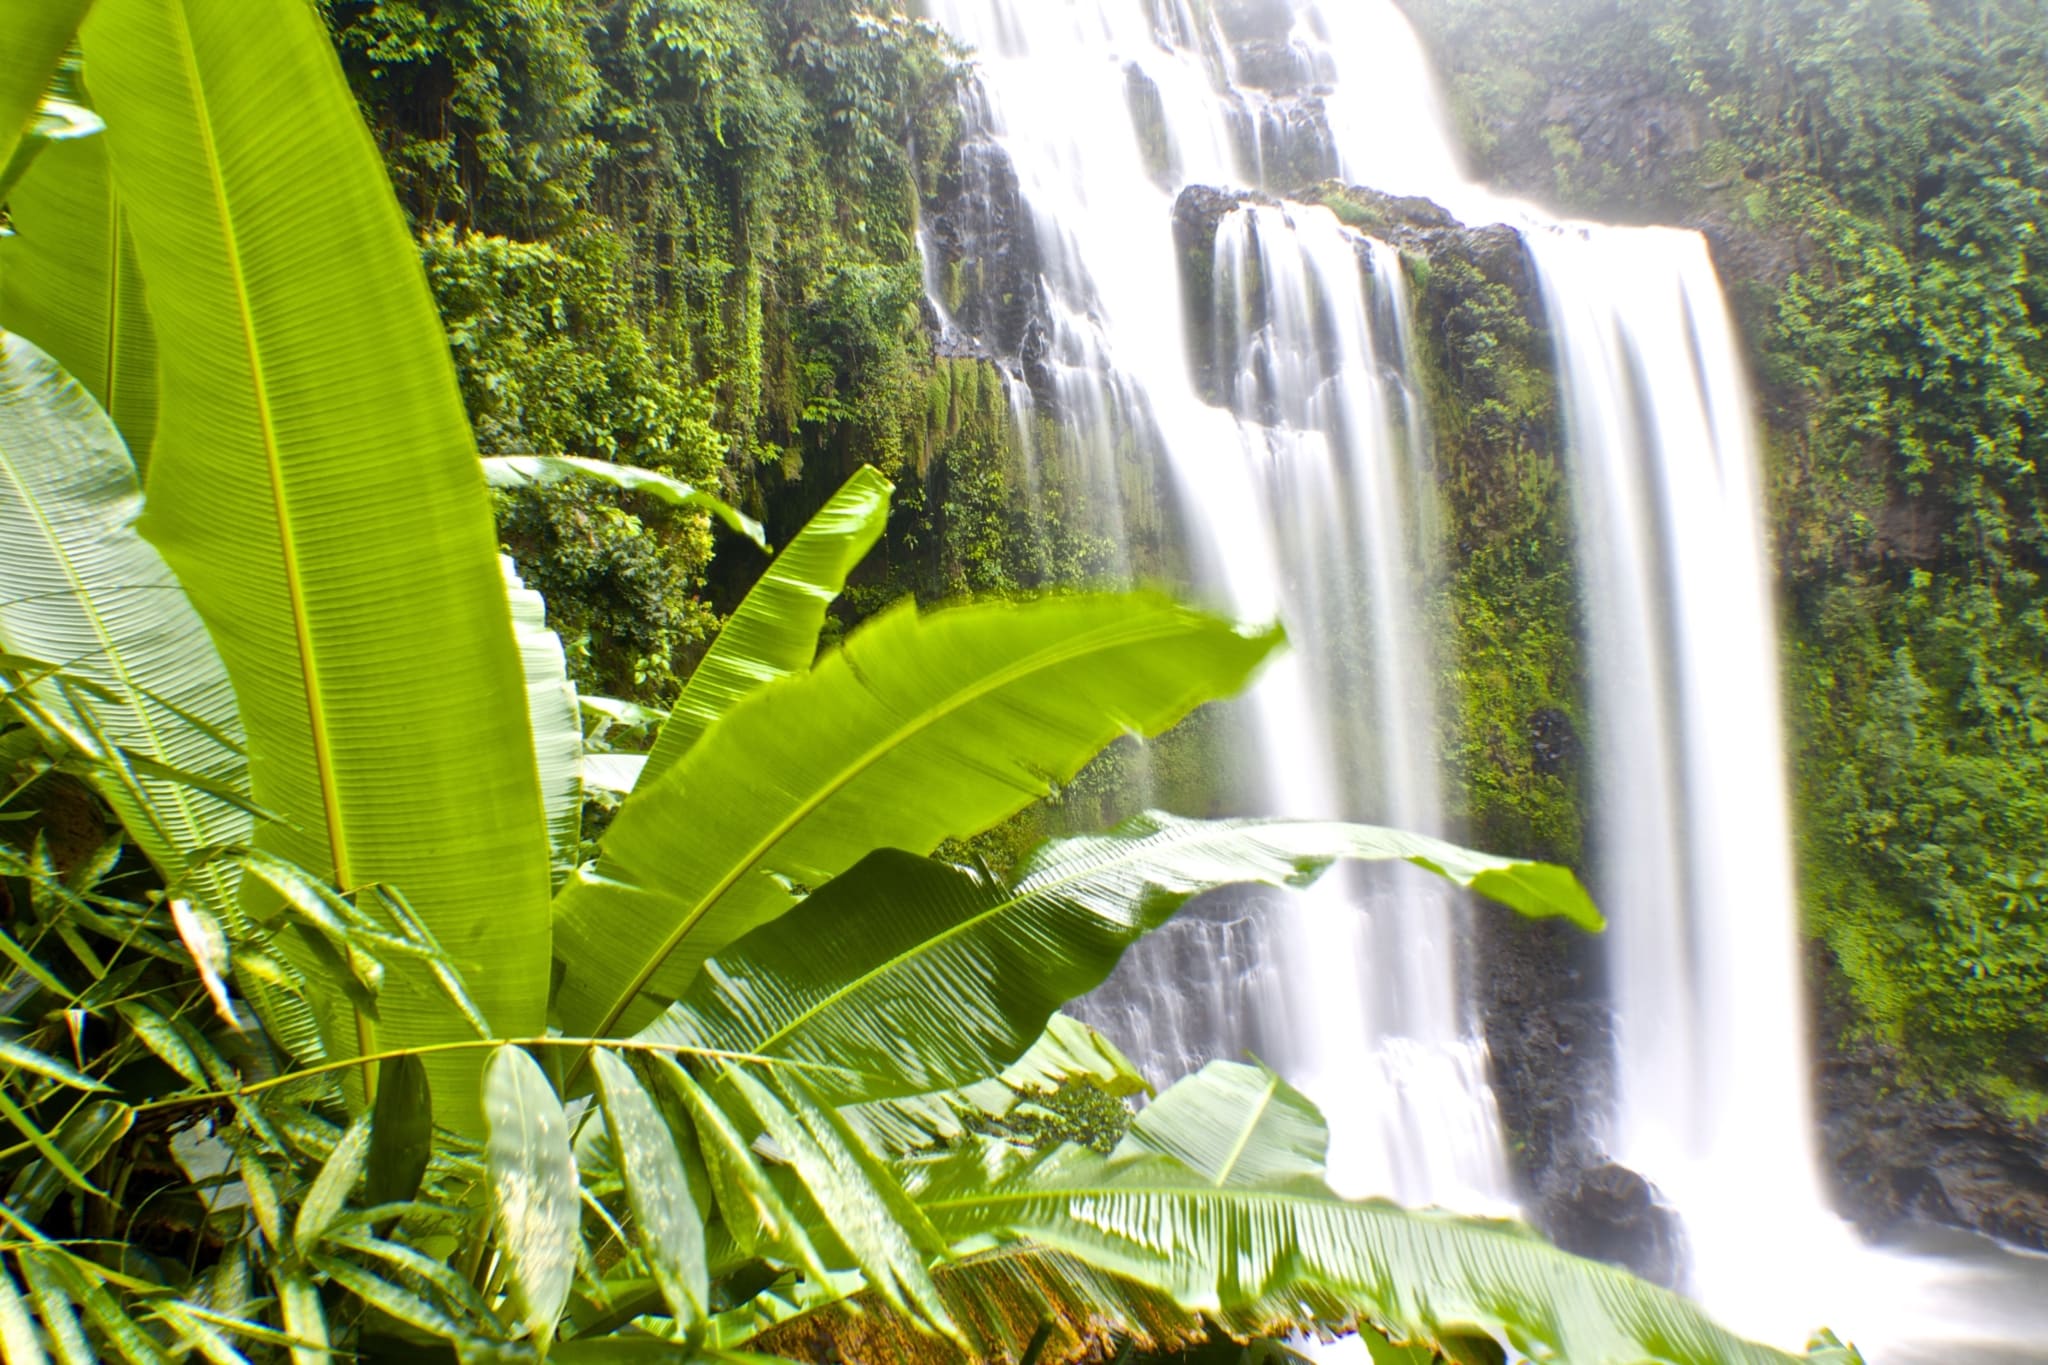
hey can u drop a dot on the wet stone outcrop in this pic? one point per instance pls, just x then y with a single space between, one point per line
1551 1037
1197 215
1610 1213
1897 1154
1251 21
985 254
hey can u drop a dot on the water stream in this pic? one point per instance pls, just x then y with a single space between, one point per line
1297 449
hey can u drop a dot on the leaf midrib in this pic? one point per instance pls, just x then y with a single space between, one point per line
1115 633
1244 1136
260 391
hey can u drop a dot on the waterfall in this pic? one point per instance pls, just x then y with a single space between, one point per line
1290 425
1299 474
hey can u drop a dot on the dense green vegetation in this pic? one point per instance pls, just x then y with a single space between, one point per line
679 234
1870 177
672 232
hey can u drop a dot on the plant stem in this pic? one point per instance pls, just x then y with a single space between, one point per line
473 1044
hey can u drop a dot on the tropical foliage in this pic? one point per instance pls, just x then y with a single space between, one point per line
306 1056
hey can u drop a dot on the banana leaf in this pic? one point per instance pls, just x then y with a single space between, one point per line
1234 1124
775 630
1068 1051
921 976
317 490
69 282
1289 1254
537 471
33 37
85 593
557 720
922 727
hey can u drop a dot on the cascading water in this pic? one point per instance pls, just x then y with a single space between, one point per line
1299 482
1713 1072
1295 445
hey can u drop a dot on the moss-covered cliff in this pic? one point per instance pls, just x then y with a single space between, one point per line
678 233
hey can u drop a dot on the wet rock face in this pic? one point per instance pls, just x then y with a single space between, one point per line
986 254
1273 64
1197 214
1639 127
1551 1037
1896 1154
1553 741
1610 1213
1253 21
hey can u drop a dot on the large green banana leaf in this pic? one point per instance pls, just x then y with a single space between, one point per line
1235 1125
80 590
922 727
33 37
557 719
916 975
775 630
69 281
1289 1253
316 488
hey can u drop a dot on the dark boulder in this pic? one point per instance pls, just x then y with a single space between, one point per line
1610 1213
1897 1153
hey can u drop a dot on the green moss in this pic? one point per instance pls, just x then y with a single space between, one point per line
1507 619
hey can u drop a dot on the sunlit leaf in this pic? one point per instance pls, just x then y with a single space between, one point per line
294 395
921 728
32 39
533 1183
330 1189
774 632
915 976
298 1298
667 1224
755 1212
1236 1125
17 1055
19 1342
551 705
533 471
203 938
